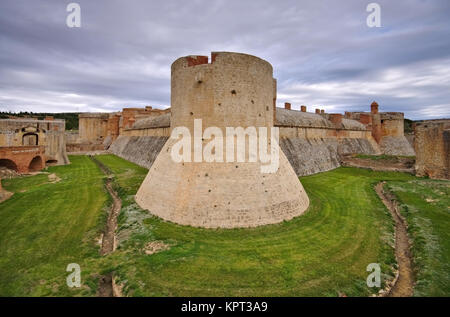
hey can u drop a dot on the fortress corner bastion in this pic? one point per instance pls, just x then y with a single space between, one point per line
233 90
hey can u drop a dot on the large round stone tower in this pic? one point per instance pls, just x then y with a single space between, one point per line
234 90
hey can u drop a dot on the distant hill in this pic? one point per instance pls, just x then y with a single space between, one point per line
70 117
408 126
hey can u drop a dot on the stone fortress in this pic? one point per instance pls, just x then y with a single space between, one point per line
28 144
234 90
98 130
312 142
230 89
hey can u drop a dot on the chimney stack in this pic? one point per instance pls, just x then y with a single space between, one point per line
287 106
336 118
322 111
303 108
318 111
374 108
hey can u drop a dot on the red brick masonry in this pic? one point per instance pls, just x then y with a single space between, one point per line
23 159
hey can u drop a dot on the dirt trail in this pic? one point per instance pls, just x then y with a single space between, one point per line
4 195
399 164
109 238
404 284
106 283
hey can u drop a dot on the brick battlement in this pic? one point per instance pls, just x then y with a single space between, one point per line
196 60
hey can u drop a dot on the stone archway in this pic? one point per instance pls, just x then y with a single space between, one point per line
29 139
51 162
35 164
9 164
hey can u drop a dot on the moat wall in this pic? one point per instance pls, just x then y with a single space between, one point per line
141 150
432 145
311 143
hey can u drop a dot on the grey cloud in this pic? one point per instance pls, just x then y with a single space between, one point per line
322 52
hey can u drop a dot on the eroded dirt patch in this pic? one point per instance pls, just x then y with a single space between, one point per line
155 246
108 243
53 178
404 284
105 288
393 164
4 195
109 237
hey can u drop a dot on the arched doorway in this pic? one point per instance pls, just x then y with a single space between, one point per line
51 162
30 139
5 163
35 164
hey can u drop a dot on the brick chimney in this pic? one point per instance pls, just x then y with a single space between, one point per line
318 111
303 108
131 122
336 118
374 108
287 106
322 111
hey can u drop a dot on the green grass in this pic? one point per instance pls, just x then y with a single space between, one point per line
45 226
324 252
426 206
128 176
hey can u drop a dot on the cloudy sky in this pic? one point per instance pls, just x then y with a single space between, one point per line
323 52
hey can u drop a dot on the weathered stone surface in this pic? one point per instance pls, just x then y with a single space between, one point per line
236 90
356 146
225 195
310 156
396 145
97 131
93 127
293 118
32 132
141 150
432 145
352 124
161 121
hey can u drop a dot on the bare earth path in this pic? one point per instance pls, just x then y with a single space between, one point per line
404 165
109 238
405 282
106 288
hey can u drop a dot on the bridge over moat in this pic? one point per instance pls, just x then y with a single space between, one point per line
22 159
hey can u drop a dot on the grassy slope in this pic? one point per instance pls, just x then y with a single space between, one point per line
429 223
128 176
324 252
49 226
